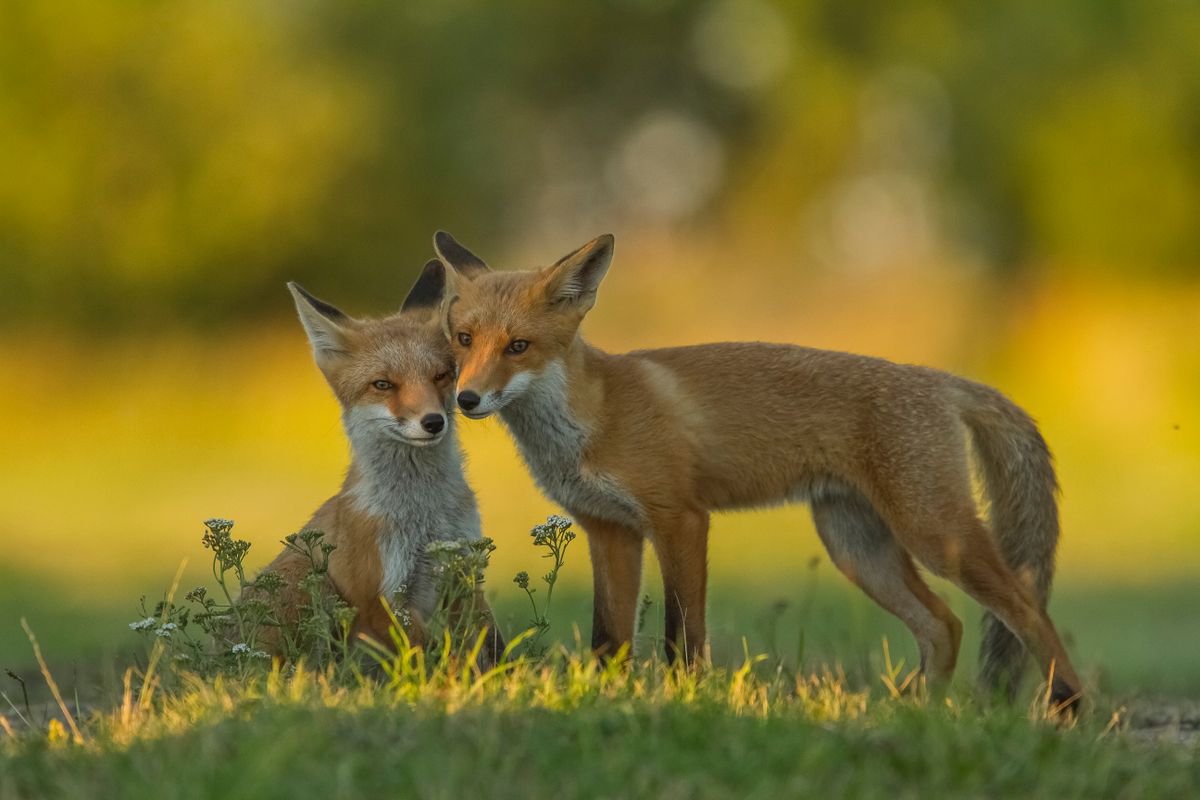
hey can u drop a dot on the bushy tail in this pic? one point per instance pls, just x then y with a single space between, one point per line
1022 493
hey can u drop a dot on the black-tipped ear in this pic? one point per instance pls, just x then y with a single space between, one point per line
428 290
575 277
319 305
454 255
325 325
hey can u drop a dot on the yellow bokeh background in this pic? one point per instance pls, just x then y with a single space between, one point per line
1009 191
118 451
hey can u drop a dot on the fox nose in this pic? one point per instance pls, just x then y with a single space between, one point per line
468 400
433 423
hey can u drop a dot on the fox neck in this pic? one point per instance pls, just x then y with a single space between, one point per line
552 422
416 495
389 477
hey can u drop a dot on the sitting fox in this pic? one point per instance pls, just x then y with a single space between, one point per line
394 379
647 444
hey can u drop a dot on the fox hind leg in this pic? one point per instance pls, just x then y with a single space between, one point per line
864 549
967 555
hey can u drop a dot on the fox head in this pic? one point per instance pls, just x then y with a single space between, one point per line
508 328
394 377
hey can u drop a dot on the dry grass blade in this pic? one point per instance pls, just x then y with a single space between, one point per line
147 691
58 698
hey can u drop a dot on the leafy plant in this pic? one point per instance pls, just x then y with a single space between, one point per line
554 536
237 630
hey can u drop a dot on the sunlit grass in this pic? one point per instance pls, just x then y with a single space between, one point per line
573 726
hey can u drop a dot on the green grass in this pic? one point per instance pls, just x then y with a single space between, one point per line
811 715
1128 641
576 729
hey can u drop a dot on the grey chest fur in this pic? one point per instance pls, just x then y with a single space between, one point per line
553 443
419 497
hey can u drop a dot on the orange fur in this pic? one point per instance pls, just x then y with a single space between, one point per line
667 436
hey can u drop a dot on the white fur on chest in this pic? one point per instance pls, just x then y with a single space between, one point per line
418 495
552 442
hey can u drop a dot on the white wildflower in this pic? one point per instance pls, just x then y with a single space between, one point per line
444 546
165 630
143 624
241 648
559 521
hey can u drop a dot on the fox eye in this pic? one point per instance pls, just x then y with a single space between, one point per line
383 386
517 346
441 376
464 339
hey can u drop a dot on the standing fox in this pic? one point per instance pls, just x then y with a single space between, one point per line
647 444
394 379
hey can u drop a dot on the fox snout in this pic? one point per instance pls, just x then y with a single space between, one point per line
433 423
478 406
419 429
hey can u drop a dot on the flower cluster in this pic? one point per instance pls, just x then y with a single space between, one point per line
227 551
556 528
243 649
151 624
553 535
445 546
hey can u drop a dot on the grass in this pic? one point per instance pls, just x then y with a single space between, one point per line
1128 641
791 721
577 728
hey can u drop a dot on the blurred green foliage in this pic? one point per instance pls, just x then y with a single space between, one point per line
176 161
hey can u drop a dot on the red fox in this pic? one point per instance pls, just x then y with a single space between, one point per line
647 444
394 379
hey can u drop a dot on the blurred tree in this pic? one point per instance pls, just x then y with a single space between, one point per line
177 161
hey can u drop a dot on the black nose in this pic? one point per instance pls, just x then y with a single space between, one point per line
433 423
468 400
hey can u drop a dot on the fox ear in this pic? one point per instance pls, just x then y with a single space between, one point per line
459 258
325 325
428 290
574 278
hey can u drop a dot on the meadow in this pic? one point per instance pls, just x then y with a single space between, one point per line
577 729
1008 191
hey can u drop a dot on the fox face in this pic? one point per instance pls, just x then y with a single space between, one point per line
507 328
394 377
